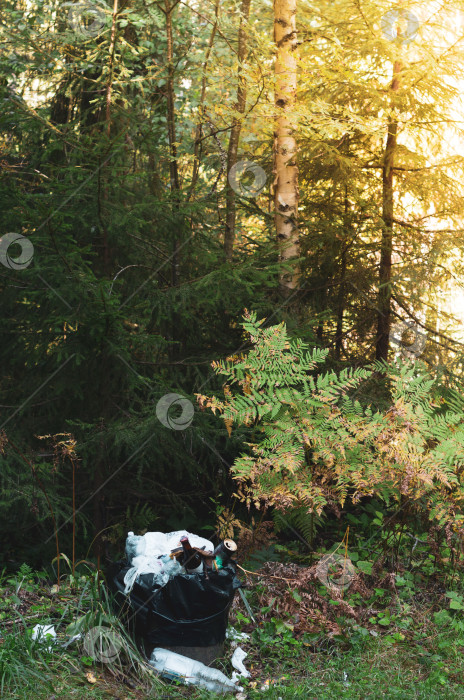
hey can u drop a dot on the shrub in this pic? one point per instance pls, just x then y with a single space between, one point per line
311 443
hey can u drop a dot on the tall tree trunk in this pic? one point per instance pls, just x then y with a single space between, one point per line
285 146
176 218
199 130
386 247
341 289
109 83
240 106
173 167
101 174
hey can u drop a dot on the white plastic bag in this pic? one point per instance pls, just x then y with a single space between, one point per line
163 569
144 552
237 659
45 634
154 544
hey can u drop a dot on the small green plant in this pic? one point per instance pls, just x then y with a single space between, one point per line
456 600
275 638
87 660
23 579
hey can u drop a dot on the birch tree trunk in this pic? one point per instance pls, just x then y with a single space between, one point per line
386 246
285 146
240 106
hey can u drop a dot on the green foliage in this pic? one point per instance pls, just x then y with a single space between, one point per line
312 444
298 519
290 408
109 317
276 639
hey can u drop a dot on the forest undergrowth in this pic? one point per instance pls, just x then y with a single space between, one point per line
375 615
350 547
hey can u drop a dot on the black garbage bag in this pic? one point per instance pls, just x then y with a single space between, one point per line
191 610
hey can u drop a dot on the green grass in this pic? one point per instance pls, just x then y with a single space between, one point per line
373 670
377 670
405 646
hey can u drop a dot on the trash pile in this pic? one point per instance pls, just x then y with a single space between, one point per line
179 588
153 553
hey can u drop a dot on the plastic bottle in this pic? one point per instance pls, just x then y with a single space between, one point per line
181 668
171 566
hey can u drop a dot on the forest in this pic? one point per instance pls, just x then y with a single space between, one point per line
232 295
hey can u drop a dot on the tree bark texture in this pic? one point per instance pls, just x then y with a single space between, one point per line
386 246
286 192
